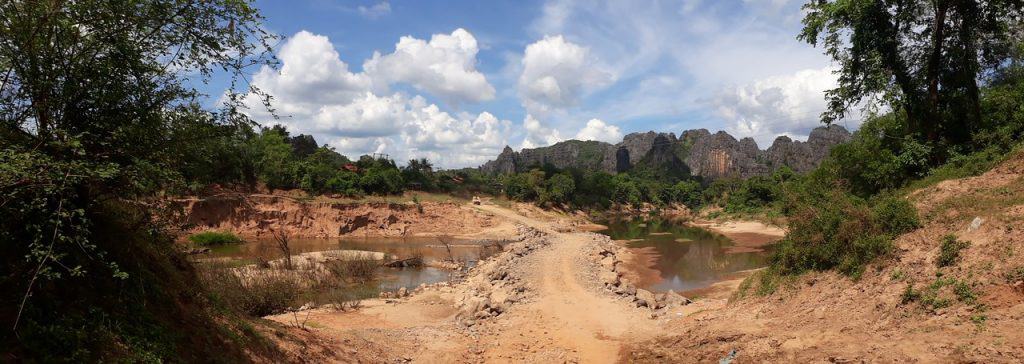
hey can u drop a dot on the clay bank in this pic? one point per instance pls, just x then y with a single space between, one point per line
256 215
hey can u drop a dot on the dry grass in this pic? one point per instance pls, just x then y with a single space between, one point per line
255 295
262 290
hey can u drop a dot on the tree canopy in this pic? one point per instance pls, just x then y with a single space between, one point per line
921 57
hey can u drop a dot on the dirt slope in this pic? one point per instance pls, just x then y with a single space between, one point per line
829 318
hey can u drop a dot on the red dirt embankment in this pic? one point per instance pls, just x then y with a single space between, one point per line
970 311
257 215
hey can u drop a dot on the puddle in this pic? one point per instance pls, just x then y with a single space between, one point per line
389 279
684 257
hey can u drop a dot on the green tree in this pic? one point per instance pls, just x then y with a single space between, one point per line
420 172
560 189
95 105
688 193
272 156
921 57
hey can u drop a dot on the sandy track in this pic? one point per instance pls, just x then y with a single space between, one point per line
570 317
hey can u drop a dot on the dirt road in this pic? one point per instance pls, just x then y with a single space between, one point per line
571 316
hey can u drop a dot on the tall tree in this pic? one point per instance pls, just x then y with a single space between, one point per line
922 57
93 96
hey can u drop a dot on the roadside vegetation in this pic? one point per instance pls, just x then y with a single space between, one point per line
959 118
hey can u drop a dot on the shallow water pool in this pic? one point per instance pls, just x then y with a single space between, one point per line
684 257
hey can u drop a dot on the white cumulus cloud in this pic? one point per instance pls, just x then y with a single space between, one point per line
599 130
445 66
314 92
538 135
311 73
779 105
556 73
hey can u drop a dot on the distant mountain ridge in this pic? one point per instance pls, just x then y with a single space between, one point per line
696 152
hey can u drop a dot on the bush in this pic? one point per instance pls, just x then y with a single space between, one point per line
214 238
895 215
949 252
1014 275
258 293
830 229
358 270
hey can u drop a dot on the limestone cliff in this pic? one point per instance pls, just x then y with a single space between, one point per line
695 152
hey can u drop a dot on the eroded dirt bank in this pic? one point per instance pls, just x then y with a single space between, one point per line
256 214
972 311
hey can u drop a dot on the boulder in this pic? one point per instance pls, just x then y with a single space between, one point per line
403 292
674 299
645 298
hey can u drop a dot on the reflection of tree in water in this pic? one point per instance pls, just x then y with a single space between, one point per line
688 257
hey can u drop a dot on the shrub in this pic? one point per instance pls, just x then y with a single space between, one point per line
949 252
359 269
910 295
258 293
895 215
214 238
1014 275
937 296
830 229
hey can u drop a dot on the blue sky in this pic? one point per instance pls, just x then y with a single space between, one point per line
456 81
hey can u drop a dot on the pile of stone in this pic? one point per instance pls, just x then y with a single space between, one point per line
606 253
492 286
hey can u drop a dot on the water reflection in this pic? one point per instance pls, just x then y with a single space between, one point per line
686 257
389 279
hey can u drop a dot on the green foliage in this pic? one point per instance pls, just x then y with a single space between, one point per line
97 116
941 294
687 193
949 251
272 156
936 86
559 190
880 157
895 215
1014 275
419 174
214 238
831 229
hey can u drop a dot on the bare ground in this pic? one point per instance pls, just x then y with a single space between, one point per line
564 313
825 317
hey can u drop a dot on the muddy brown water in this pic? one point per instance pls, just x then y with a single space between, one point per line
388 279
685 257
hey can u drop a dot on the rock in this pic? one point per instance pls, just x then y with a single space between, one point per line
609 278
805 156
608 262
975 224
588 155
645 298
674 299
659 300
627 288
696 152
403 292
473 306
